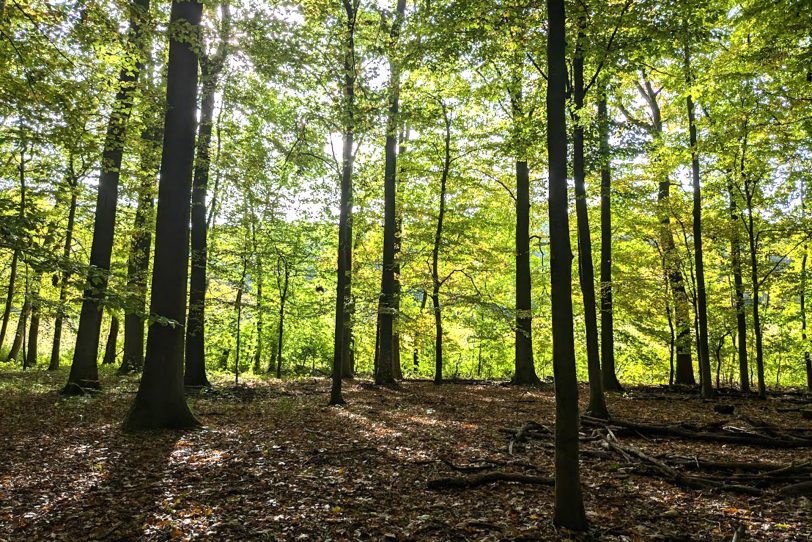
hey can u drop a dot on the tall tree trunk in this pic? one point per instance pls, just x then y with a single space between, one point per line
383 372
397 370
210 68
12 279
138 259
19 335
84 369
762 388
569 505
684 370
260 315
342 364
701 295
525 371
435 253
32 352
238 305
63 280
738 286
610 381
807 357
283 279
110 349
586 275
160 402
15 258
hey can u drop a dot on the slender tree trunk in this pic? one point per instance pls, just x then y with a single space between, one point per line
16 255
738 285
238 305
807 357
63 281
32 352
9 296
525 371
210 68
609 375
762 389
282 284
684 370
435 253
84 369
597 402
138 259
110 349
569 505
160 402
342 365
260 299
383 372
19 335
702 299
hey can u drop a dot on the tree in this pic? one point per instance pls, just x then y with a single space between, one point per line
160 401
343 319
569 506
210 69
384 368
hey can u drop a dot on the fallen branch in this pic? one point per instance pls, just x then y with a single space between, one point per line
746 439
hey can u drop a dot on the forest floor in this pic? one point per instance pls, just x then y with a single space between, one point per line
273 462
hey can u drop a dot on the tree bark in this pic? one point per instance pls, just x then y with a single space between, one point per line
586 275
238 305
112 339
160 401
84 370
383 372
738 286
569 506
9 296
702 300
282 280
32 351
63 280
19 335
525 371
210 68
610 381
807 357
435 252
342 364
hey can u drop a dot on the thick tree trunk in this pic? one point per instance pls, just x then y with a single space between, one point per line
110 349
160 402
342 364
569 506
702 300
586 275
435 253
138 259
63 281
609 375
84 369
738 286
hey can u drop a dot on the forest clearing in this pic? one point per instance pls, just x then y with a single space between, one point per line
273 462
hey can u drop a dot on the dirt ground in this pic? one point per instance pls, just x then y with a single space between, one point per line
273 462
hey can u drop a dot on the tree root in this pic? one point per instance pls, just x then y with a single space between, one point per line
465 482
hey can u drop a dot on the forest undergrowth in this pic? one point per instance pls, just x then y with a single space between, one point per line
273 462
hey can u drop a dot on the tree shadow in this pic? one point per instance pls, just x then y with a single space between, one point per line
115 490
